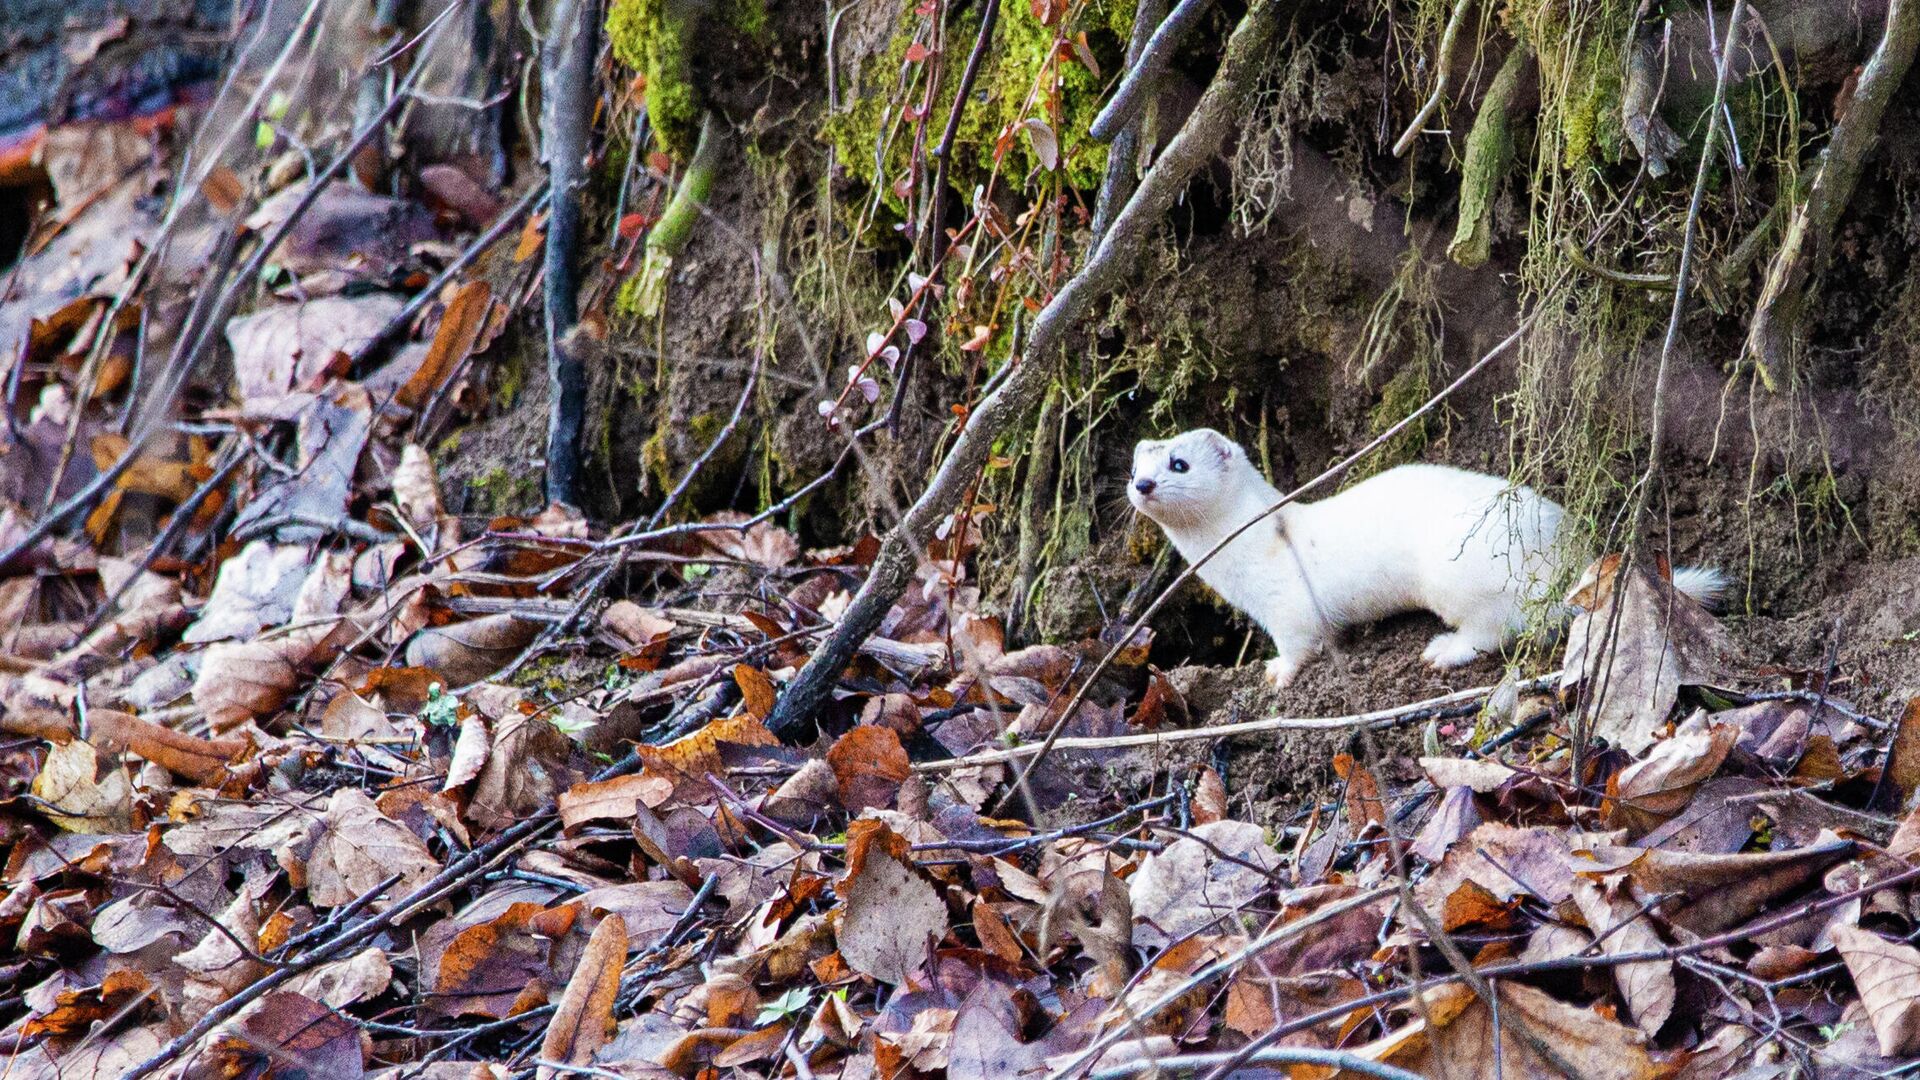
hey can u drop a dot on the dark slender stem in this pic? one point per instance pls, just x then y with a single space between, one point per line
567 79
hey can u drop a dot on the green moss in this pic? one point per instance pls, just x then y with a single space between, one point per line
1489 156
656 463
1019 57
652 37
1409 389
500 490
749 18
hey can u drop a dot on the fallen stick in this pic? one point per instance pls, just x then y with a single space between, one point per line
1457 703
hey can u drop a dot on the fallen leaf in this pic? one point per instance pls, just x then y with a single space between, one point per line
82 792
1635 649
1198 880
1887 974
869 763
583 1020
891 915
359 848
1621 925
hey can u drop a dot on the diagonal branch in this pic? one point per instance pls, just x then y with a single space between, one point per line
1115 257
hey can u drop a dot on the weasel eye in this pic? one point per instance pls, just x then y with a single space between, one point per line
1177 464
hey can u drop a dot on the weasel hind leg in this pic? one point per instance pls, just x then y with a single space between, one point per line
1457 648
1453 649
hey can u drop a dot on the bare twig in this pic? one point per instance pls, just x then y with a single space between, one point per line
1455 704
1123 156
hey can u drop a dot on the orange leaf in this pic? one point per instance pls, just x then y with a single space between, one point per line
583 1021
870 764
756 690
460 335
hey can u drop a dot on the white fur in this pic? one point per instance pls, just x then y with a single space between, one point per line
1471 548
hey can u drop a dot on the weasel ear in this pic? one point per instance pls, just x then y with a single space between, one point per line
1222 446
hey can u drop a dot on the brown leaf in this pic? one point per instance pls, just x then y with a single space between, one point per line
891 915
1493 856
1713 892
1633 663
1456 1037
635 625
1482 775
583 1020
870 764
604 800
1363 792
359 848
82 792
525 764
756 690
690 759
1209 797
648 909
1661 784
190 756
287 347
1198 879
1903 767
285 1027
485 967
468 652
471 749
243 680
1887 974
1620 925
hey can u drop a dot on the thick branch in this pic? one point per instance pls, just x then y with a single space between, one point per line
1118 251
1777 316
573 42
1489 153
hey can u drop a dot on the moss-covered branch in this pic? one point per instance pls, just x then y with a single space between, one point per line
1777 317
670 233
1489 154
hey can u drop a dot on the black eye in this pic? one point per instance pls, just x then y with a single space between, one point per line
1177 464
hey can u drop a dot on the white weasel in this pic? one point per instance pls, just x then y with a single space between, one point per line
1471 548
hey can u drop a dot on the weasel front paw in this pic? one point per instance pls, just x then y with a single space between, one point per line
1451 650
1282 669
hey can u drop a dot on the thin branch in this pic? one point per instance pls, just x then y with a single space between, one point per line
1443 67
1459 703
1682 280
1116 185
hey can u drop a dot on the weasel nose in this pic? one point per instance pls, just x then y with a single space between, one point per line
1143 485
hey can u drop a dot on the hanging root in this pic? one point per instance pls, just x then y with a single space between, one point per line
1777 317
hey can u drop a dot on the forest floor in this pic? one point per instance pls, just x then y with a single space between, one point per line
332 748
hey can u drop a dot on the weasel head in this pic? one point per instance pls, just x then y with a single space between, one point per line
1186 480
